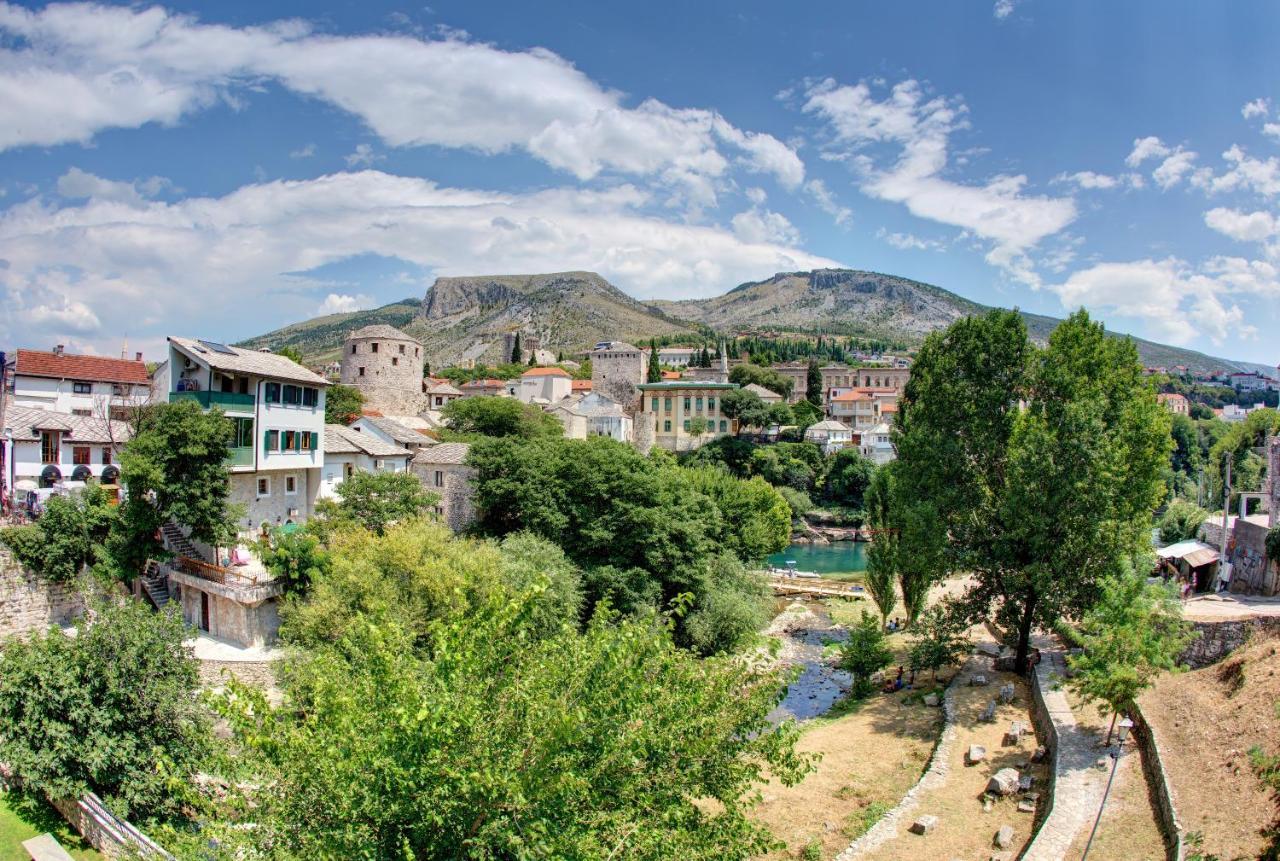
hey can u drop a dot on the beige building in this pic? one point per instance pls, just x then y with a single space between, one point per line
861 408
671 412
763 394
544 385
443 471
385 364
439 392
487 387
616 369
1175 403
592 414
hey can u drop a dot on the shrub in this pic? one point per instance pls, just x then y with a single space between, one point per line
865 654
732 608
1181 521
797 500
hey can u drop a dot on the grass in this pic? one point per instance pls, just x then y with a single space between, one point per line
23 817
860 823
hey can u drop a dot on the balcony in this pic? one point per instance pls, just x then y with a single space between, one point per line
230 402
239 456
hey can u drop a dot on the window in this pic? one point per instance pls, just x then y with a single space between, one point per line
291 485
82 388
49 447
310 397
686 425
686 404
272 393
242 434
290 440
698 404
362 372
415 352
85 413
106 455
292 394
305 439
272 440
666 404
439 478
395 360
354 349
375 346
666 426
711 404
653 402
120 390
80 455
724 426
264 486
402 349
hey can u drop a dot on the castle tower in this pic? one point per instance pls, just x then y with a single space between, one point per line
616 369
385 364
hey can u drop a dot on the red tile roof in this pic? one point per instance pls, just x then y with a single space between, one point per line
581 385
545 372
670 375
38 363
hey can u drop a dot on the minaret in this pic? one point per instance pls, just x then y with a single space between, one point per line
724 363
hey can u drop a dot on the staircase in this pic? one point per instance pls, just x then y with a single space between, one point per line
178 543
156 584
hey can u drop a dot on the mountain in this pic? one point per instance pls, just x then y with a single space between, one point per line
467 318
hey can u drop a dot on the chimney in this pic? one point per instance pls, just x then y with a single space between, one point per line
137 357
57 351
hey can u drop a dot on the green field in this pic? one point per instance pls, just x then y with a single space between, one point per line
21 819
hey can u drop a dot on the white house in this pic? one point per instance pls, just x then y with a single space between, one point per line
1248 382
47 447
393 431
592 414
347 451
877 444
78 385
277 453
831 435
439 392
544 385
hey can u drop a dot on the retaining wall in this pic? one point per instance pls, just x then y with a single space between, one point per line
109 834
1216 640
1162 794
30 603
1044 677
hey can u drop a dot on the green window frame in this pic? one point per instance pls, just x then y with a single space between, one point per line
666 426
724 426
711 404
653 402
310 397
686 425
666 405
697 404
292 394
271 440
686 403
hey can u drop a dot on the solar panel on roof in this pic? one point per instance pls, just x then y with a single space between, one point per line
219 348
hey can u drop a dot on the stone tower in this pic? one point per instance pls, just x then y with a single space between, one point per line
616 369
385 364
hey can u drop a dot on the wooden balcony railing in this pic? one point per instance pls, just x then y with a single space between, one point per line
216 573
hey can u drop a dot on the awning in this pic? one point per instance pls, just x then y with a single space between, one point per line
1201 557
1196 553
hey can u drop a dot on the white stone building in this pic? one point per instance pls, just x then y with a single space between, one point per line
829 435
47 447
347 451
79 385
877 444
544 385
393 431
593 414
385 364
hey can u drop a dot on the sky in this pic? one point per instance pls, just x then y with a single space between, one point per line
219 170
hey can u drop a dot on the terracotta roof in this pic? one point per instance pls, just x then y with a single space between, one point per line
546 372
445 452
580 385
38 363
852 396
888 408
242 361
670 375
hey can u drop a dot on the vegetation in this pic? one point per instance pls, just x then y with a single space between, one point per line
291 353
342 404
864 654
1273 543
71 534
1130 636
295 558
882 555
941 643
112 709
1041 466
813 383
1267 767
469 418
1181 521
1237 444
375 500
848 477
653 373
745 375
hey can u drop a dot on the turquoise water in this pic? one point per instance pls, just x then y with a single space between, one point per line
836 558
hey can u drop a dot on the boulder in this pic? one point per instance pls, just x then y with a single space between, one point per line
978 681
976 754
932 700
1026 806
1003 782
1013 735
989 713
1025 781
1006 694
1004 837
924 825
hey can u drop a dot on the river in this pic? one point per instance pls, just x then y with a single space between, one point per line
838 557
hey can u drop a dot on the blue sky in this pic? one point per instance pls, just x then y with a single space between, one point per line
223 169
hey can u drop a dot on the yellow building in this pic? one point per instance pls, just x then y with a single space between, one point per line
672 413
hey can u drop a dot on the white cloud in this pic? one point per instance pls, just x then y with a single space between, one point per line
304 151
1145 148
1242 226
363 156
1257 108
1247 174
1271 130
1088 179
760 225
77 184
79 69
916 129
194 265
1174 168
342 303
1175 302
827 202
1003 9
909 241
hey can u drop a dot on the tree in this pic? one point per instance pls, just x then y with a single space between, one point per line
342 404
744 406
654 372
499 417
426 371
745 375
291 353
533 359
813 388
777 414
864 654
848 478
731 611
805 414
517 355
698 426
376 500
1132 634
112 709
535 567
1181 521
924 563
69 535
757 520
1041 467
296 558
882 556
941 641
478 742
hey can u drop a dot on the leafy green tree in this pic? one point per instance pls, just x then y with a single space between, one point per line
478 742
295 558
805 414
1041 467
778 414
798 501
925 564
517 355
69 535
1181 521
533 359
342 404
756 519
291 353
1273 543
745 375
112 709
941 641
530 564
882 555
1130 636
732 609
654 372
813 388
376 500
698 426
848 478
499 417
864 654
426 369
744 406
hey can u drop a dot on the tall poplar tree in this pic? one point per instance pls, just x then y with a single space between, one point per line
813 384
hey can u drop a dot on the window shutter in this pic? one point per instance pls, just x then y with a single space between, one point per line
315 441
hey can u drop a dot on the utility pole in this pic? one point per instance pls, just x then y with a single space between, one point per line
1226 510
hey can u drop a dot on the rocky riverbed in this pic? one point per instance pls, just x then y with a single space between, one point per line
803 630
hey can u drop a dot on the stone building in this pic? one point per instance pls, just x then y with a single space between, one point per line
668 413
385 364
443 471
530 345
616 369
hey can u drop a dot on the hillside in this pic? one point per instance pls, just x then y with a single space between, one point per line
466 318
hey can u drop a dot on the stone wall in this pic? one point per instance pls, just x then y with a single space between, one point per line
262 674
1252 573
1216 640
108 833
457 506
30 603
1158 784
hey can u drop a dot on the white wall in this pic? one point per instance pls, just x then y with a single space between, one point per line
26 461
59 395
336 467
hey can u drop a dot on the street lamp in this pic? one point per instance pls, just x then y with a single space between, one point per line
1122 733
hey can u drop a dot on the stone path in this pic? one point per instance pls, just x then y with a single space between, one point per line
1079 783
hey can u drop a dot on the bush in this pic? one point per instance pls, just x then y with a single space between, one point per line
1181 521
732 608
797 500
66 538
1273 544
864 654
295 559
534 565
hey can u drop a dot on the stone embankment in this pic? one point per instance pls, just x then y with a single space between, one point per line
29 603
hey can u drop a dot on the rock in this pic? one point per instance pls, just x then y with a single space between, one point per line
932 700
1006 694
989 713
999 856
991 650
1040 754
1014 734
1025 806
987 803
1003 782
1101 764
976 754
978 681
1004 837
924 825
1024 782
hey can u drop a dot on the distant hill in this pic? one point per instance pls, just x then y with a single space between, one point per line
466 318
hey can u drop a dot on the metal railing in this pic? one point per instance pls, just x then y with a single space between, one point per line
230 401
215 573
